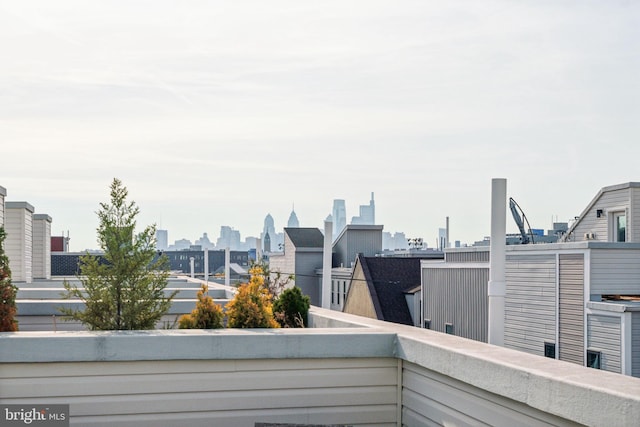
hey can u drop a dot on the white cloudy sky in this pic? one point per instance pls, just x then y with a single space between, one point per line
219 112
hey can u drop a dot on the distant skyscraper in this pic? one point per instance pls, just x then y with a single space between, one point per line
442 238
204 242
270 229
229 238
293 220
367 214
267 242
162 240
339 216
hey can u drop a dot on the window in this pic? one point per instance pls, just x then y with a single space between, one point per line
333 292
344 291
427 324
620 227
448 328
593 359
550 350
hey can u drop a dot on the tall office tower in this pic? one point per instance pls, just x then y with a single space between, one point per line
162 240
367 214
293 220
267 242
270 229
339 216
229 238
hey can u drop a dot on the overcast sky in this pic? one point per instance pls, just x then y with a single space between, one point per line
219 112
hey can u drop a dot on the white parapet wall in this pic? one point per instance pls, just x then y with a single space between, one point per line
19 243
41 246
345 370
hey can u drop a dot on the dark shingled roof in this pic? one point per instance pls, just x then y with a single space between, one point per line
388 280
305 237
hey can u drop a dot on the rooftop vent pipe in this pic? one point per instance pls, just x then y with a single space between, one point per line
497 260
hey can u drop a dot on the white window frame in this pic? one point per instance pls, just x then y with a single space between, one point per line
614 214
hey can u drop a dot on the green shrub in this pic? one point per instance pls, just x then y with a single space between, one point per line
292 308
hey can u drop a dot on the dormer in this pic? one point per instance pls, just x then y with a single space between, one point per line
612 216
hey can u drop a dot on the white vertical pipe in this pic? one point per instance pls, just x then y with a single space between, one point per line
227 266
206 265
497 258
326 263
192 265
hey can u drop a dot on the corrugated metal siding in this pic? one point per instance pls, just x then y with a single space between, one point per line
457 296
590 223
430 399
615 271
635 344
212 393
571 308
467 256
603 334
530 302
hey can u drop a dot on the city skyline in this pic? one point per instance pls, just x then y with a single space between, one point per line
218 113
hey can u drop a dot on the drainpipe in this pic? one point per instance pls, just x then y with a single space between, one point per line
326 263
497 259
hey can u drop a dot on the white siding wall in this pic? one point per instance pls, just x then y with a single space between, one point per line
530 302
615 271
285 263
41 247
603 334
635 344
19 243
212 392
431 399
590 223
633 224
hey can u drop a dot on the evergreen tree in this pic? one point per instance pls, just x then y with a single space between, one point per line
7 292
125 290
291 308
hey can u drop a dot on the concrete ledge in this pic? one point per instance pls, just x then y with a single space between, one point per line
42 347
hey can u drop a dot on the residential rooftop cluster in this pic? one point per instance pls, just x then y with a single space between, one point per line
576 301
